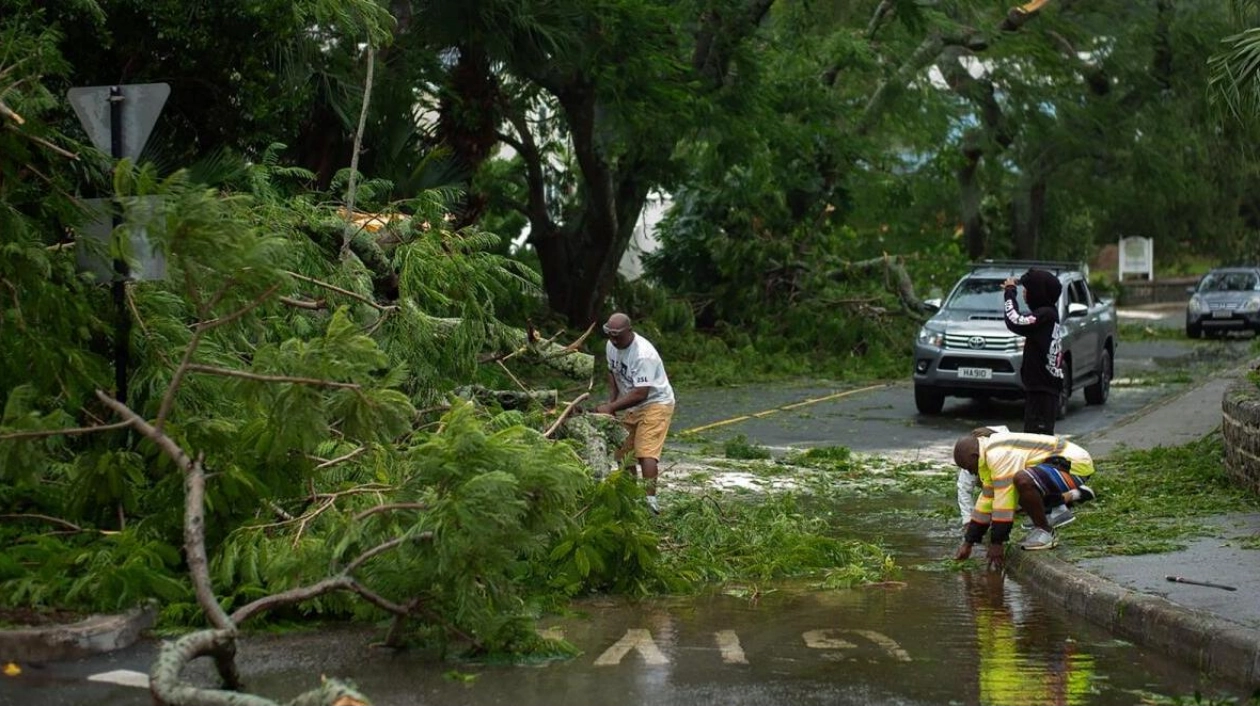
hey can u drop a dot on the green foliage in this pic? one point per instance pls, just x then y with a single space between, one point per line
612 548
481 512
1168 492
738 447
830 458
765 537
108 572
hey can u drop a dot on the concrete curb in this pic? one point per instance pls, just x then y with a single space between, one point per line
1200 639
95 634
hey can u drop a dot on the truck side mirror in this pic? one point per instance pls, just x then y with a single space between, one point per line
1076 309
933 304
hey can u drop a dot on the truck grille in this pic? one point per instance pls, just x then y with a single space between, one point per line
1004 343
997 365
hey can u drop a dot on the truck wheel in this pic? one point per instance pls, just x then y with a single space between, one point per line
1096 394
928 400
1194 331
1066 395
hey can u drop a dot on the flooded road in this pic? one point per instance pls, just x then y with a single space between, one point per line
936 636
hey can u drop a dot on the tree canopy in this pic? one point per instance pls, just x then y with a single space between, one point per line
335 188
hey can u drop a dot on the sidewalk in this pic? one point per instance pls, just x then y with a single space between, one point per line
1216 630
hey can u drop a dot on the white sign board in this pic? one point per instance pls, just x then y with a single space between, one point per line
1137 256
96 253
141 105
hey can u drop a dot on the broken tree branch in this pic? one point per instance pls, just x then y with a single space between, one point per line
291 596
34 434
358 148
199 331
265 378
556 425
352 295
389 507
343 458
44 143
40 516
387 545
194 511
304 304
894 271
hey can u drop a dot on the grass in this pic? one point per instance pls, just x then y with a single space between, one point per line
1128 331
1172 494
733 537
738 447
1157 500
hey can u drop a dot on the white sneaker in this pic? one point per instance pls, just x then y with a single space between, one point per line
656 508
1040 539
1058 517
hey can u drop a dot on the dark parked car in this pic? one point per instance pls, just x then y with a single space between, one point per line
1226 299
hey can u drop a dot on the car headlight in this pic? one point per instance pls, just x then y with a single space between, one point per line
1196 305
1251 305
931 337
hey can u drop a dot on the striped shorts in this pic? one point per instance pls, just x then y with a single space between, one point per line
1052 482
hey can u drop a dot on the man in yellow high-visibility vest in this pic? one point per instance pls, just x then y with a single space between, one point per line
1020 470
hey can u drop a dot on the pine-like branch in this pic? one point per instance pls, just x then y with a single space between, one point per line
233 373
199 331
194 511
69 431
389 508
347 293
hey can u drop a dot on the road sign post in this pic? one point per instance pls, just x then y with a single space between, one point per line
120 119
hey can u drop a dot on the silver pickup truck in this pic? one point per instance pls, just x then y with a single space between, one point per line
965 349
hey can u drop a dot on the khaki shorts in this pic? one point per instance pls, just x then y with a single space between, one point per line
647 426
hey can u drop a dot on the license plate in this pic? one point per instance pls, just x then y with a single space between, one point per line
1222 314
982 373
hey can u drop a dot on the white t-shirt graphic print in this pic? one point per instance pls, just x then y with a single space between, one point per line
638 366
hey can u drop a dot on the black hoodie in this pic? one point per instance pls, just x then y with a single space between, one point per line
1042 370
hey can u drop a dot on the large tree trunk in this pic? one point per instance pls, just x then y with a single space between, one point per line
1028 210
323 145
468 122
579 260
970 193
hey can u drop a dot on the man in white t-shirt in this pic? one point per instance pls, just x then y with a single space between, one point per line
639 387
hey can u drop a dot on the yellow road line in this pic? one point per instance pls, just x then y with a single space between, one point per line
781 408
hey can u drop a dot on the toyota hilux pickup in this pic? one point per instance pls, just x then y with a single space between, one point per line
965 350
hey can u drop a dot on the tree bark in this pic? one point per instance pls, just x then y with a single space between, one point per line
597 437
970 194
896 279
1028 209
468 119
168 688
579 260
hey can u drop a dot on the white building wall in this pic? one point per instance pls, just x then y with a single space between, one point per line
644 239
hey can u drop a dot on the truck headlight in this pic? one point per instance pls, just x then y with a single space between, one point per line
1251 305
1196 305
931 337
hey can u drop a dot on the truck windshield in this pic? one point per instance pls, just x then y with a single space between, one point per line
981 294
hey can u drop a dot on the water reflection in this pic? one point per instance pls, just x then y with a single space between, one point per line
938 638
1014 666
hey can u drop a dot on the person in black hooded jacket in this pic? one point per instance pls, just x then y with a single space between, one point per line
1042 369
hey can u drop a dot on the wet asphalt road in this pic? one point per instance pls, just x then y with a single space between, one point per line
781 664
882 419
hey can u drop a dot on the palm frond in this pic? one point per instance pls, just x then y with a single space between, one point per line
1235 74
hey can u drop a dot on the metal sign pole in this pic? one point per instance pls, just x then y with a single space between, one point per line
122 338
119 118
